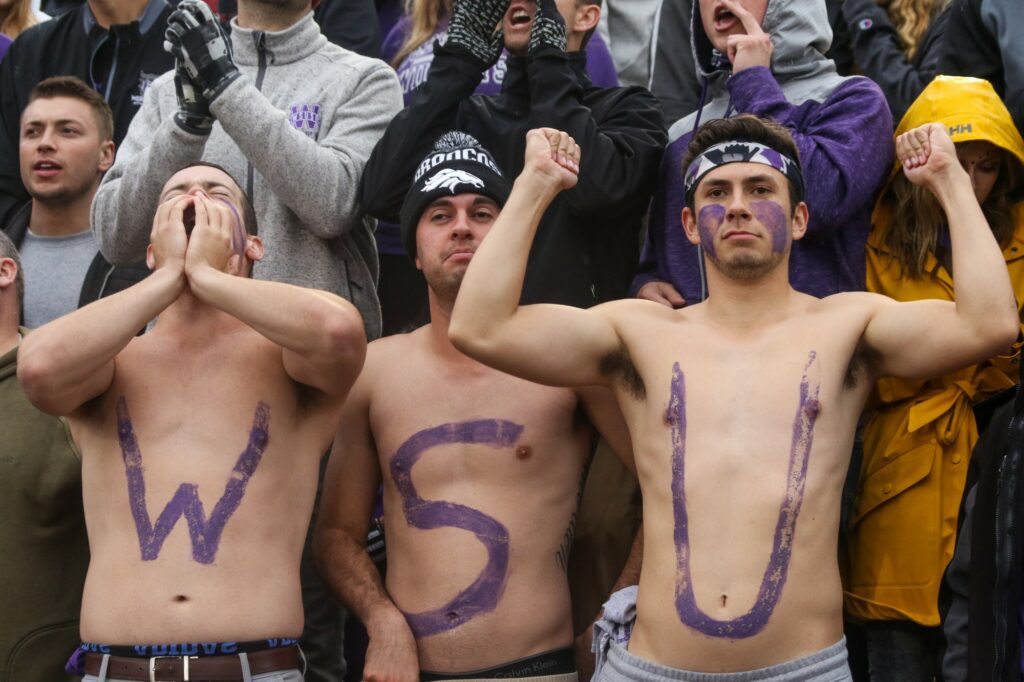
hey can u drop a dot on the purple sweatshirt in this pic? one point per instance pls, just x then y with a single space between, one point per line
842 128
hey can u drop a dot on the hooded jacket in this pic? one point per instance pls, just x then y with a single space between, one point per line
295 131
842 128
586 247
919 438
44 552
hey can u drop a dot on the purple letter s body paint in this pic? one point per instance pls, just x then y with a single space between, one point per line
483 594
774 578
205 533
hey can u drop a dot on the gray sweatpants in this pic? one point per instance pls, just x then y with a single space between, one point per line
827 665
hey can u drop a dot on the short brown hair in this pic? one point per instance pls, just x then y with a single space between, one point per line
9 250
69 86
747 128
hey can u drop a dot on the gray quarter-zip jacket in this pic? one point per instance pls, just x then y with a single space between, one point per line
295 130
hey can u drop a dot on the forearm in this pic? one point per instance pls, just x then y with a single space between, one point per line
345 566
70 360
490 292
984 295
328 207
308 322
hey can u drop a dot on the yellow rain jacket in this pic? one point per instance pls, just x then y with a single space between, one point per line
918 442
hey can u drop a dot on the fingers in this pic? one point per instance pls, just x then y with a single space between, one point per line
567 152
750 24
914 147
663 293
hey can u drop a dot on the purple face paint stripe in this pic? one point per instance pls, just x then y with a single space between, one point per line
774 578
709 220
773 217
204 533
484 593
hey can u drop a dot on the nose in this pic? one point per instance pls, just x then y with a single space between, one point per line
460 228
47 140
736 207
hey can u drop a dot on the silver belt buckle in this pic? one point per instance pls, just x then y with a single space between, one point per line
184 667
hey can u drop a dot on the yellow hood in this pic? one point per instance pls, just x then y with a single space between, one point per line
969 108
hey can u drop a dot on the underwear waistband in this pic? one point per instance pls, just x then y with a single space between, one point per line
557 662
188 648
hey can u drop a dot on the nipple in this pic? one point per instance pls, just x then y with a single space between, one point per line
523 452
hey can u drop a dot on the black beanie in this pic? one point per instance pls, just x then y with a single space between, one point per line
456 165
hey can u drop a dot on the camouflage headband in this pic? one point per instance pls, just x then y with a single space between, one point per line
741 151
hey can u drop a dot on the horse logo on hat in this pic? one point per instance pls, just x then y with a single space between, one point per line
450 178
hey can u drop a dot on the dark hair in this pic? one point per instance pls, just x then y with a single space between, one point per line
69 86
9 250
748 129
248 211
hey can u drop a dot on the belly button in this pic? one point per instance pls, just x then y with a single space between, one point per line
523 452
180 598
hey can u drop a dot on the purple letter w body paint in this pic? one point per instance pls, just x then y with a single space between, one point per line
754 620
483 595
205 533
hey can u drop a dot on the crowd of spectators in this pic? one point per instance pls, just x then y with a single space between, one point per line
327 113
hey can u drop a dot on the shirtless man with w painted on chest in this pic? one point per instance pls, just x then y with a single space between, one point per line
742 409
201 442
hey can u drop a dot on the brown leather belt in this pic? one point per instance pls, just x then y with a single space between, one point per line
194 668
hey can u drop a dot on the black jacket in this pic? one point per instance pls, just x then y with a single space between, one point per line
984 40
102 279
63 47
587 246
982 591
878 53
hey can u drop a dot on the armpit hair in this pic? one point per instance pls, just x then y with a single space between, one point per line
619 364
863 358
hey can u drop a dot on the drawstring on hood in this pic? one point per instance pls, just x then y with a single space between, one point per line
800 33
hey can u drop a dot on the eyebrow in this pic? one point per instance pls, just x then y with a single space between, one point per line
44 121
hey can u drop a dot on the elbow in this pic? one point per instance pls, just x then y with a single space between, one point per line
465 336
1007 332
34 373
344 336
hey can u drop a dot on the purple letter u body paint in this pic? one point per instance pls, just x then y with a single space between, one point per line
205 533
774 578
483 594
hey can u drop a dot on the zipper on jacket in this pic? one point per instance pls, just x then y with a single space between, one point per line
106 278
260 38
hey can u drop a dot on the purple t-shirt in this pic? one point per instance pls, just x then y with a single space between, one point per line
412 73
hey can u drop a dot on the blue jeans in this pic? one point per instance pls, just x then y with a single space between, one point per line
902 651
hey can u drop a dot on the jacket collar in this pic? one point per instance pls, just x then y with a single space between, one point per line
17 226
295 43
149 16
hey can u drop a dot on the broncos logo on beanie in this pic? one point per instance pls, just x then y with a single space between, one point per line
450 178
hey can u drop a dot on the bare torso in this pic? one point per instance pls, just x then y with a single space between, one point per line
481 477
742 443
199 474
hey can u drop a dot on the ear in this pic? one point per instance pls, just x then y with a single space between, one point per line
106 156
690 226
8 272
586 18
150 258
254 249
800 218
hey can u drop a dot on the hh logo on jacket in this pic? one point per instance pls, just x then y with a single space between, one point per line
305 118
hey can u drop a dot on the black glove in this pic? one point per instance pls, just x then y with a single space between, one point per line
471 31
548 30
193 110
197 40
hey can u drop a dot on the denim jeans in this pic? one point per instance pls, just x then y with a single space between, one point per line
902 651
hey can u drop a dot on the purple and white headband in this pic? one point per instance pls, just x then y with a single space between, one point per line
741 151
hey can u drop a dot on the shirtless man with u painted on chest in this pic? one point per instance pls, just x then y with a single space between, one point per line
481 472
742 409
201 442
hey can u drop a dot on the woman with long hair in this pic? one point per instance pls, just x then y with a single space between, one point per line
919 434
15 17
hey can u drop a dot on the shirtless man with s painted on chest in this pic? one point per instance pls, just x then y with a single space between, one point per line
742 409
481 473
200 442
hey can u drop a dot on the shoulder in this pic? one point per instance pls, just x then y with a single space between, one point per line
857 87
343 61
850 303
627 312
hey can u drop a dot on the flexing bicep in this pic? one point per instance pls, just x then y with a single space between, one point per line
922 339
548 344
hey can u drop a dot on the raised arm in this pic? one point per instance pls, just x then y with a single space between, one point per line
321 334
923 339
68 362
547 344
339 544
